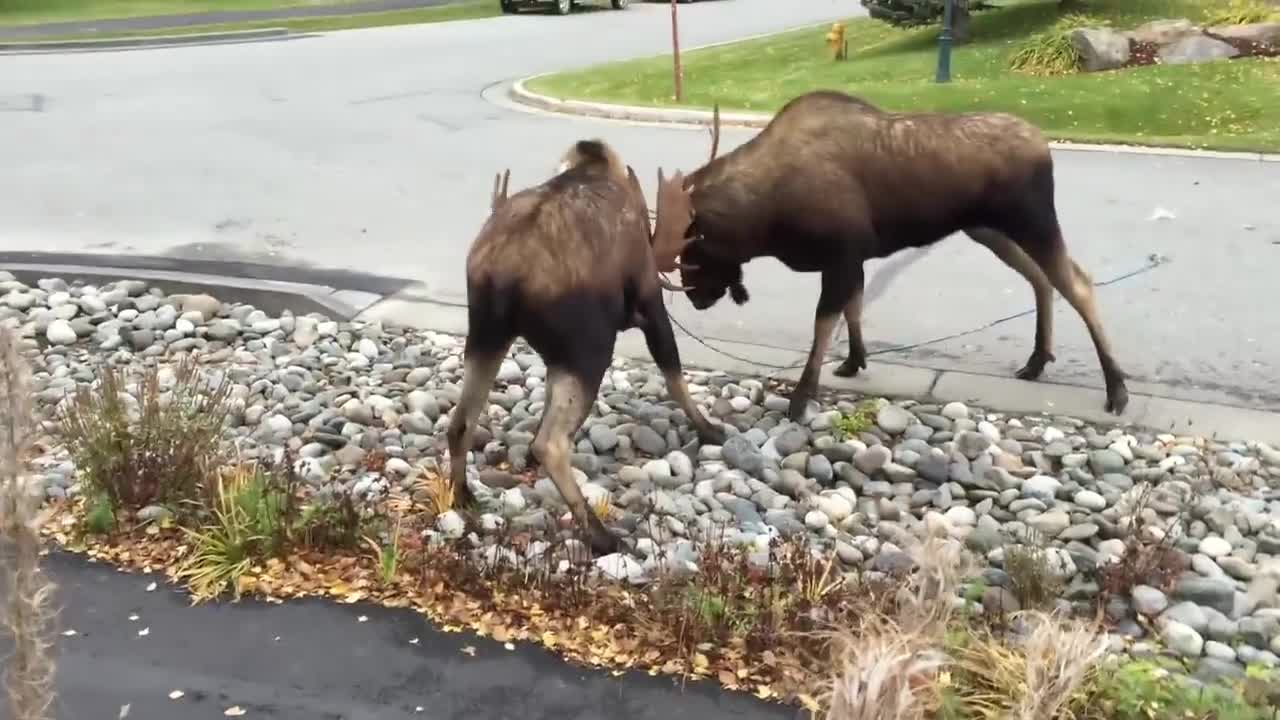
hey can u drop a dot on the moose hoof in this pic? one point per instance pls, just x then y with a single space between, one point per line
712 435
1034 367
603 542
1117 399
850 367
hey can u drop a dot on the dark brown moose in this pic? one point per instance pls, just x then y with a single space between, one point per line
566 265
833 181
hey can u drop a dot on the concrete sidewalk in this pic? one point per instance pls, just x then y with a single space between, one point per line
313 659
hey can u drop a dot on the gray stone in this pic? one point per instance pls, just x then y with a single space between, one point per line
1182 639
603 438
1263 33
893 419
741 453
648 441
1100 48
1196 49
1149 601
1189 614
872 459
1162 32
1216 593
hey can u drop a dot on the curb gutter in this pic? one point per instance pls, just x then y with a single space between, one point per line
410 304
38 46
522 95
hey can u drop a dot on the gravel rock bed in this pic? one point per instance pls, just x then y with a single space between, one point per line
336 391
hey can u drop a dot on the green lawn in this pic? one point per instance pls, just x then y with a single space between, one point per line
1223 105
465 10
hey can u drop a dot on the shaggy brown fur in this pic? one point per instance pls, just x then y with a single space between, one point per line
567 265
833 181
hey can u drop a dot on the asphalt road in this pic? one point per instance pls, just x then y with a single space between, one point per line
157 22
315 660
375 150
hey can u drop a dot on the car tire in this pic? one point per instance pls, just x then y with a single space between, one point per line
563 7
508 6
620 4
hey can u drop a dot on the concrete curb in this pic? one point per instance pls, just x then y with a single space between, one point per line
128 43
410 304
522 95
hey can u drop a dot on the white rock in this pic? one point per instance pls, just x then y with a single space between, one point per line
451 524
1052 434
955 410
816 520
961 515
681 465
60 332
1043 487
368 348
621 567
1215 547
1090 500
834 505
657 470
513 500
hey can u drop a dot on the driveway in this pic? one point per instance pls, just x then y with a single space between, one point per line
318 660
375 150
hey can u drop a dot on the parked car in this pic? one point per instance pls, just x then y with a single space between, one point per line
560 7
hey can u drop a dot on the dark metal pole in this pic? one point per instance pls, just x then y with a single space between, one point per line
675 53
944 43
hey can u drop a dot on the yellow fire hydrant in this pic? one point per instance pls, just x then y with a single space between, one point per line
836 43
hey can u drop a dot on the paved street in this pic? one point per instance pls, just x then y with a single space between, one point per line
313 660
375 150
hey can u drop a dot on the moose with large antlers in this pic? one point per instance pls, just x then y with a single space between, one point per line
566 265
833 181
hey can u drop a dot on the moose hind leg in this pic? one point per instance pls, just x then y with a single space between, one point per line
1010 254
1077 287
661 340
570 394
480 368
857 359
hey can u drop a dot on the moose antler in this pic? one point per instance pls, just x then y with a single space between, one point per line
499 196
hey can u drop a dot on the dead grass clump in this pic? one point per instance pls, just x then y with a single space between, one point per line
1032 579
27 617
157 448
1037 673
888 663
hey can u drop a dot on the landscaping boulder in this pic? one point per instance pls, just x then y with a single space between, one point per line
1100 48
1196 49
1163 32
1267 33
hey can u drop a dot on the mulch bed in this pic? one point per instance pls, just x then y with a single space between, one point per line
1148 53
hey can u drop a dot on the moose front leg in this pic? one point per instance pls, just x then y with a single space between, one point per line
837 291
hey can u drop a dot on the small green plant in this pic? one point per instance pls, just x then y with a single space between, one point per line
1242 12
159 452
99 518
850 426
1052 52
1143 689
387 557
226 547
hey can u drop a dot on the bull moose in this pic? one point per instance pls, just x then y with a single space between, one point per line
567 265
833 181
